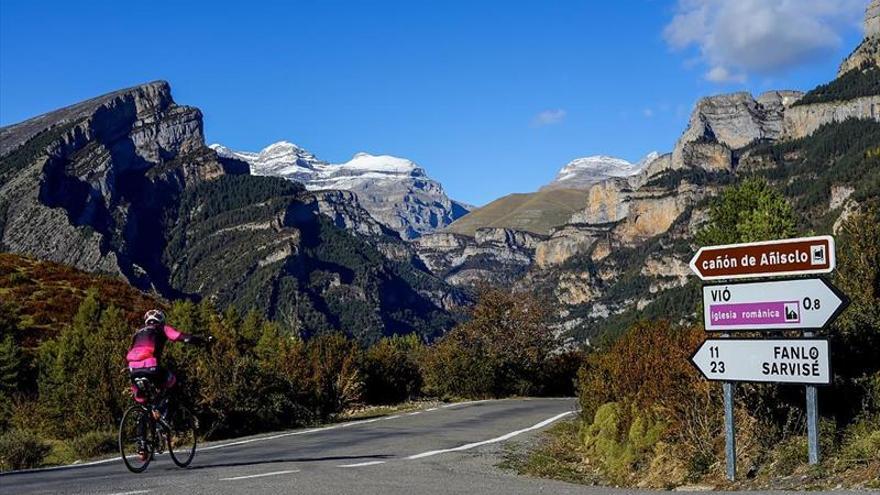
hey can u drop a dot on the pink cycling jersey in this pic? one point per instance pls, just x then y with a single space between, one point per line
148 343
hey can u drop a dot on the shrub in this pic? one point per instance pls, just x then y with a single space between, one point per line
502 350
93 444
391 369
22 449
650 352
750 211
335 379
789 454
617 449
861 442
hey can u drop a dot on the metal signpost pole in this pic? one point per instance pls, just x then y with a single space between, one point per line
729 427
729 431
812 419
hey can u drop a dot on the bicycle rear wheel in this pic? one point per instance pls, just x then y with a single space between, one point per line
181 429
137 439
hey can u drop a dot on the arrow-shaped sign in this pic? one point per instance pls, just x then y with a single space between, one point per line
755 360
800 256
777 305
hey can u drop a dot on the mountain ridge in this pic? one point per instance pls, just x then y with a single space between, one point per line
396 191
581 173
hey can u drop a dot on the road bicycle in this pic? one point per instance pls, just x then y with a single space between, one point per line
152 427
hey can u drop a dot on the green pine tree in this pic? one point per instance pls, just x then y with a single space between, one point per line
747 212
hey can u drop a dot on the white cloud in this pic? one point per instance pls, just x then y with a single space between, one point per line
720 74
648 113
549 117
767 37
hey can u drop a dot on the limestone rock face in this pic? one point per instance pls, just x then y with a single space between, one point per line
94 164
666 272
868 52
709 156
493 255
661 164
732 120
652 214
576 288
567 242
514 239
343 208
803 120
605 203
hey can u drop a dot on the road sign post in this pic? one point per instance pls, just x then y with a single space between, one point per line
812 419
729 430
800 304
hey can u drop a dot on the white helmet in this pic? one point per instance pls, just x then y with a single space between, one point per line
154 317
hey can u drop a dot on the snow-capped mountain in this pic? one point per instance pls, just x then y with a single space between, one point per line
282 159
581 173
395 191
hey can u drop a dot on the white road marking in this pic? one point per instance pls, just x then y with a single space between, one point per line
469 402
259 439
512 434
261 475
414 413
136 492
361 464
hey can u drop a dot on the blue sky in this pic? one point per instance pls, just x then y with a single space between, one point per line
491 97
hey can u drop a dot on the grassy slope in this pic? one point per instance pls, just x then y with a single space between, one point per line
536 212
48 294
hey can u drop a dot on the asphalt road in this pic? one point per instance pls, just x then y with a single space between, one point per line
448 449
403 453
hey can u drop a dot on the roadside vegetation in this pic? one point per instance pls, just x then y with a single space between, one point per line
649 419
63 386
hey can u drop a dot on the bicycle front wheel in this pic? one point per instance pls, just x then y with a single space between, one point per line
137 441
181 429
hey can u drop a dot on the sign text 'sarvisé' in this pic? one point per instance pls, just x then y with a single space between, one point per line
755 360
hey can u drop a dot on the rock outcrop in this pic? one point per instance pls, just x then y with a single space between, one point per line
868 51
803 120
94 165
494 256
731 121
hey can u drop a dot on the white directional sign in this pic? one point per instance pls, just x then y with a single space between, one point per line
777 305
753 360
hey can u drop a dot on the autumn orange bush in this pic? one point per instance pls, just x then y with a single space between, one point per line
648 367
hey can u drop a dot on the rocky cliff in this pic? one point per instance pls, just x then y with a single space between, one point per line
77 183
493 256
723 123
803 120
868 51
124 184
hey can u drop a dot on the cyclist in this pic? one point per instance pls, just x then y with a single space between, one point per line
145 354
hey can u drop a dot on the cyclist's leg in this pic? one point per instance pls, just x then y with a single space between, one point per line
167 392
